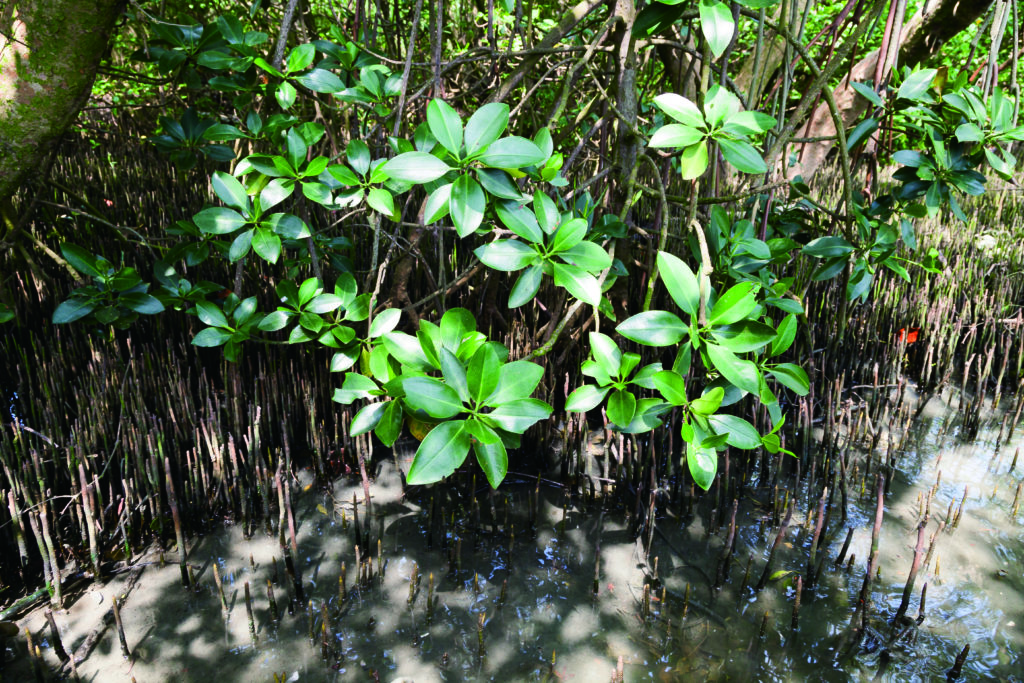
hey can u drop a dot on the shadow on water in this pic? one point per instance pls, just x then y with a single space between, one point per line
514 587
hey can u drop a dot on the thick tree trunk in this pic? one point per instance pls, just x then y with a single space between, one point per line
922 37
49 52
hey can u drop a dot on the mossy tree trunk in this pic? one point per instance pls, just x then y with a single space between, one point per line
49 53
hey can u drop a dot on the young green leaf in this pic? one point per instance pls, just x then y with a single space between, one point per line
519 415
427 396
483 375
415 167
466 205
702 463
717 25
367 418
512 152
518 379
506 255
734 305
680 282
526 287
578 282
653 328
445 125
585 398
441 452
230 191
681 109
606 353
485 126
742 374
621 407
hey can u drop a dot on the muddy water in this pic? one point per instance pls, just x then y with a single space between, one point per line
514 584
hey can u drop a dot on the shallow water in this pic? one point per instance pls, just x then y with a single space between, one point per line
517 603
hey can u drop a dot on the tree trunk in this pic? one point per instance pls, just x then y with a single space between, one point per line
923 36
49 53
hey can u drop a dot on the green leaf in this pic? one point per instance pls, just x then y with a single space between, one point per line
671 386
681 109
445 125
578 282
212 336
694 160
498 183
916 85
512 152
240 245
792 376
740 373
518 379
680 281
741 434
675 135
742 156
406 350
442 451
211 314
73 309
466 204
587 397
492 457
744 336
861 132
569 235
266 244
321 80
80 259
485 126
654 328
454 374
702 463
588 256
437 205
520 220
146 304
708 403
744 123
230 191
519 415
717 25
526 287
383 323
296 148
483 375
735 305
456 324
505 255
606 353
428 397
218 220
415 167
275 321
785 335
621 407
868 93
827 247
358 154
367 418
381 201
390 425
285 95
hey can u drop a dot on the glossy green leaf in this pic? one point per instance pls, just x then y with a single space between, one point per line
454 374
744 336
218 220
734 305
740 373
675 135
569 235
80 259
588 256
606 353
390 425
445 125
578 282
505 255
702 463
456 324
406 350
916 85
694 160
742 155
266 244
586 398
211 314
519 415
654 328
741 433
230 191
512 152
792 376
828 247
621 407
483 375
520 220
785 334
717 25
516 380
492 457
526 287
466 205
680 282
497 183
427 396
671 386
441 452
415 167
384 322
485 126
73 309
212 336
367 418
708 403
681 109
381 201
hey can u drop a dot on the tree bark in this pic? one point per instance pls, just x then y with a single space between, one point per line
922 37
49 53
